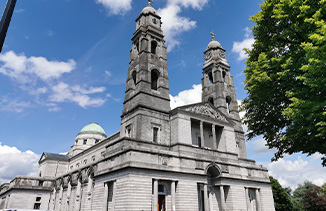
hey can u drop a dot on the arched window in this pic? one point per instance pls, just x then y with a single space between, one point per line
210 77
134 77
137 44
228 102
154 79
223 76
213 172
153 47
211 101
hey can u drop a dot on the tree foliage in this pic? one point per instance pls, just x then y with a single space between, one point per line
286 77
309 197
282 199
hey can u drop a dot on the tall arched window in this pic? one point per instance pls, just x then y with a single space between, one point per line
137 45
210 100
228 102
134 77
210 77
153 47
154 79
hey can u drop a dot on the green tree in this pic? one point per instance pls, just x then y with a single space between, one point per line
309 197
282 199
314 200
286 77
299 193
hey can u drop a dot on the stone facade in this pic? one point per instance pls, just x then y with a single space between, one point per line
192 158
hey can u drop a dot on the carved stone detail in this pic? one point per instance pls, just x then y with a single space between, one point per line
206 110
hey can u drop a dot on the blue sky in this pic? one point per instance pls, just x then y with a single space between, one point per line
64 64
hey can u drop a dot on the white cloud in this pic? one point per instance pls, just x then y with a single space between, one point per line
186 97
15 162
115 7
291 173
24 69
14 105
245 43
64 93
19 10
174 24
108 73
259 147
50 33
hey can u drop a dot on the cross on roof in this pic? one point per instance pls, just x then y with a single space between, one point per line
150 1
213 35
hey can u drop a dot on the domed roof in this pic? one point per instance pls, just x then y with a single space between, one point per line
148 9
93 128
214 44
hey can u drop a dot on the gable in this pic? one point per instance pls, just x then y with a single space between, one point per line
205 110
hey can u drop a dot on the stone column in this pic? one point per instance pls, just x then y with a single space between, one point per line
222 197
89 192
173 195
202 134
258 205
214 137
7 201
155 199
60 197
206 202
247 198
114 194
52 203
68 195
89 186
106 196
78 196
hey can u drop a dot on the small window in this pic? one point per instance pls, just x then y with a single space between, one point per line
210 77
96 141
155 134
85 141
134 77
37 206
40 183
38 198
154 79
228 102
128 131
153 47
40 174
223 76
154 21
76 141
162 189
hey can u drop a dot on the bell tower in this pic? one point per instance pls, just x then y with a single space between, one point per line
218 88
217 82
147 102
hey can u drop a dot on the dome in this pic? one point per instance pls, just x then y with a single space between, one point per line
148 9
93 128
214 44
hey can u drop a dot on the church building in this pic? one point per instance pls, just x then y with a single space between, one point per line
191 158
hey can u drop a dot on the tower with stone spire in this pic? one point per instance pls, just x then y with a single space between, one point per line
147 102
218 88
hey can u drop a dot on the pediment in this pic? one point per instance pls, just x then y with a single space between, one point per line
205 109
